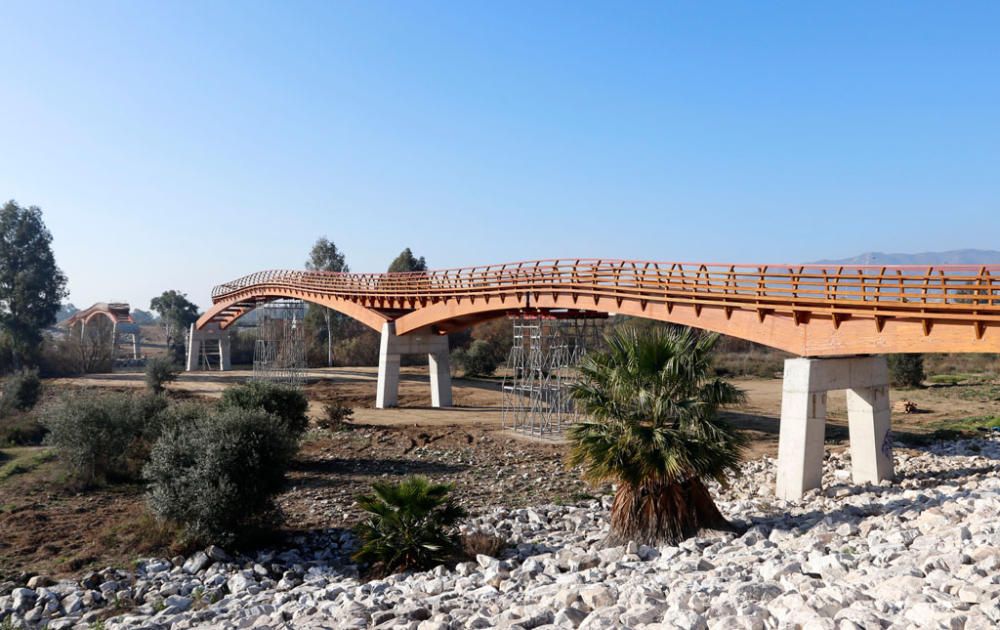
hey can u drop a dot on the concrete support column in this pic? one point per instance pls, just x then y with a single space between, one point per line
225 363
803 420
194 349
136 346
387 394
392 347
439 364
800 444
869 417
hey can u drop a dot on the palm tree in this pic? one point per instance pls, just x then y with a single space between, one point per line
653 428
410 525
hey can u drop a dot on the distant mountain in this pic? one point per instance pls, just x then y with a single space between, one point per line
955 257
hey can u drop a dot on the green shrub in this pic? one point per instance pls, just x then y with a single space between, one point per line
217 474
479 359
106 436
21 429
159 372
21 391
409 526
287 403
907 370
336 415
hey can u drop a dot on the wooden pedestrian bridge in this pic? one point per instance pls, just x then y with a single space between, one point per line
808 310
841 319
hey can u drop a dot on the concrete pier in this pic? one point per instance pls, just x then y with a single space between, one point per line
425 341
803 421
210 343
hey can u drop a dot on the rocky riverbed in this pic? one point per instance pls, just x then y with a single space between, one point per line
922 552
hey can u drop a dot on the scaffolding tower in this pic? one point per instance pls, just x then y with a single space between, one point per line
541 369
279 351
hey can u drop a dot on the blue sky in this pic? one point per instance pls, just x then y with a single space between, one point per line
178 145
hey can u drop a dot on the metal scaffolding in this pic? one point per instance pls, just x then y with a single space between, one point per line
541 368
279 352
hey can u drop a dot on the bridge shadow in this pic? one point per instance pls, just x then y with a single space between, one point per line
322 472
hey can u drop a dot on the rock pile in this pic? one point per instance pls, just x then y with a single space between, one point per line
922 552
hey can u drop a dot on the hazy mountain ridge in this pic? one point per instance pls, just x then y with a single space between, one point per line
953 257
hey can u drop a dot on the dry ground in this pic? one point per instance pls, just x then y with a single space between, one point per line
47 527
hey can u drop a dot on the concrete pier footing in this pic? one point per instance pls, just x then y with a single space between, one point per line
803 421
424 341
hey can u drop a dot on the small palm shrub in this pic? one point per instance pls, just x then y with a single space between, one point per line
907 370
21 391
217 475
287 403
104 436
409 526
159 372
653 428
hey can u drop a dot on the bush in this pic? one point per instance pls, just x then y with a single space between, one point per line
104 437
410 526
287 403
336 416
479 359
907 370
159 372
21 429
218 474
21 391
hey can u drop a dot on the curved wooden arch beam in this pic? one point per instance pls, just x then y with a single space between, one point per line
226 312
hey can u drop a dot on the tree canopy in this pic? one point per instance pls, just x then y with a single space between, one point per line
31 285
176 311
406 261
324 256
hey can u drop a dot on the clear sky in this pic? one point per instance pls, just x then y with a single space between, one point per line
178 145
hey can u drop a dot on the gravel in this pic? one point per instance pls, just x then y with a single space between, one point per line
923 552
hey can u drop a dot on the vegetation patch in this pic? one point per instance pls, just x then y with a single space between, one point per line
285 402
18 461
217 475
410 525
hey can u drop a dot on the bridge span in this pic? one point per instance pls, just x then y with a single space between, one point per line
842 319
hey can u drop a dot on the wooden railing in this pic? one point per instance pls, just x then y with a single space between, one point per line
837 288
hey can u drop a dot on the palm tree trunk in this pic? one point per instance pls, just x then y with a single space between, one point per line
654 513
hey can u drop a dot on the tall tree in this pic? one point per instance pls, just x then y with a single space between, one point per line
177 314
406 261
31 285
325 256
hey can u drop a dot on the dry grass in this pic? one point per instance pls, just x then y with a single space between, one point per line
476 543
